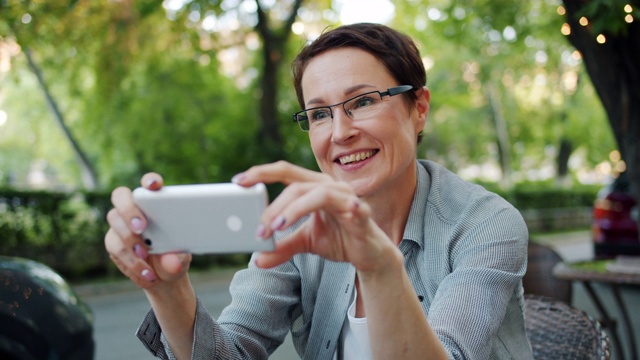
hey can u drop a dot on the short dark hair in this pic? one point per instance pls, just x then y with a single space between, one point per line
397 52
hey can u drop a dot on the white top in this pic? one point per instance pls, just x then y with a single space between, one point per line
355 336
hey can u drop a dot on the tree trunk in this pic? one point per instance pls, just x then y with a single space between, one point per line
89 177
565 148
274 43
564 152
614 69
502 135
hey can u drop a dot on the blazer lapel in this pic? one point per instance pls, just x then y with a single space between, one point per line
334 295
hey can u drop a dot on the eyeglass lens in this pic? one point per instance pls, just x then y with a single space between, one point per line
358 108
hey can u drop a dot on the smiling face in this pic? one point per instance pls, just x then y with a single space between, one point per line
373 155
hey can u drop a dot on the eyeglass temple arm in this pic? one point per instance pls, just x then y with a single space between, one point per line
397 90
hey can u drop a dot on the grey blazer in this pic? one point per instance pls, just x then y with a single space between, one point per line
465 253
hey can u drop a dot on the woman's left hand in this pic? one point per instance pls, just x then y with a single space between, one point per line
339 228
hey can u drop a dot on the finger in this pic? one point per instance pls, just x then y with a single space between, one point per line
118 224
144 279
300 199
361 212
280 171
284 250
357 221
171 266
116 248
122 200
152 181
130 264
126 235
136 278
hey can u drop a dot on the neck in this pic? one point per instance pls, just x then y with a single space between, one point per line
391 207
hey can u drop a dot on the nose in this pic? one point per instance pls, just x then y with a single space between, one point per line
342 126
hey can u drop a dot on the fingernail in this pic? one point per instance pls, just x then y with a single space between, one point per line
140 251
260 232
137 225
151 182
277 223
356 203
148 275
238 178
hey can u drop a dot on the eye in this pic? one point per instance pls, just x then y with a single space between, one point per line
319 114
363 102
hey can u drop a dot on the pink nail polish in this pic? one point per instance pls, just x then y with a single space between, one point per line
137 225
140 251
260 231
238 178
278 223
148 275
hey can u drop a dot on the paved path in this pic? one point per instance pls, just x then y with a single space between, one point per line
119 307
572 246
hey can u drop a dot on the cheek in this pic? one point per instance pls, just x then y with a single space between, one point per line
398 122
401 129
319 147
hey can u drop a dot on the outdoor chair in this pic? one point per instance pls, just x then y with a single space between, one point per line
539 279
559 331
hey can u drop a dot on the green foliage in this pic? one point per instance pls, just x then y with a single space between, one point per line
517 50
29 133
523 198
143 88
33 218
541 195
608 16
60 229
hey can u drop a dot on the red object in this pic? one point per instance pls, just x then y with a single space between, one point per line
614 230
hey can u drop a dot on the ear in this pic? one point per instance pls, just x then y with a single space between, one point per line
423 98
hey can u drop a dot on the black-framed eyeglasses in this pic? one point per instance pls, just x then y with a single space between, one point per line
359 107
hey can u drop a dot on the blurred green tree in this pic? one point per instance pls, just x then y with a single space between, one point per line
506 87
195 89
179 90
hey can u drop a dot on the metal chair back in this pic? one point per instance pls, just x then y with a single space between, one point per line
539 279
558 331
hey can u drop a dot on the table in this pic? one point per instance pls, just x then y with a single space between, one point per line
588 272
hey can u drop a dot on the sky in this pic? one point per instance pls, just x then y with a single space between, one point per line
352 11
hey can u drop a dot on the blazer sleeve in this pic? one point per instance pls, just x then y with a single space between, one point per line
472 303
252 326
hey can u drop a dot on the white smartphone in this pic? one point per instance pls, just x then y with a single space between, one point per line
203 218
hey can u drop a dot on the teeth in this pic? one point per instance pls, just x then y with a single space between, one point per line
355 157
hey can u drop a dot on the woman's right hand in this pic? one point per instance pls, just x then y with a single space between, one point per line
126 247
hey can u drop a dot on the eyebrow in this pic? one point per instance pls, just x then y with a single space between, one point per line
347 91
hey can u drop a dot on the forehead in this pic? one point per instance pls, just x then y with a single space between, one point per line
335 70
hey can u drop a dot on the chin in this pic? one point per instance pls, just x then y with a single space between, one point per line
362 187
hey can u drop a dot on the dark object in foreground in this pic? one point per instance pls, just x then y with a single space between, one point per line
40 316
615 229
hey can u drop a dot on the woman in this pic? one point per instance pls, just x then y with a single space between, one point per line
379 256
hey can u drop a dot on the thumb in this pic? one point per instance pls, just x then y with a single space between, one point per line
171 266
285 249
